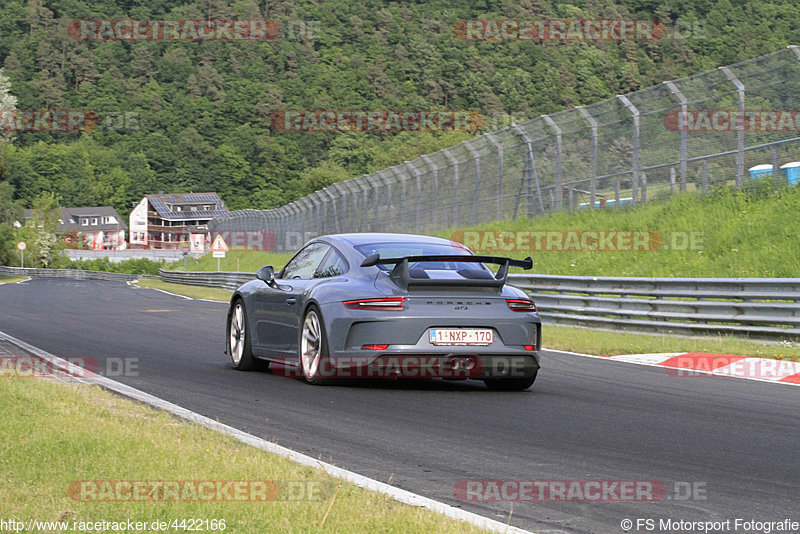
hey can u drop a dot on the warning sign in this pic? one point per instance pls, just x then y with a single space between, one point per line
219 245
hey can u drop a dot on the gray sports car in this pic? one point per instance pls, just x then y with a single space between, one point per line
387 306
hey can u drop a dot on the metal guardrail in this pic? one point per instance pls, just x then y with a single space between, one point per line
72 274
764 308
222 280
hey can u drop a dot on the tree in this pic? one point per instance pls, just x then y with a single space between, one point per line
39 233
8 103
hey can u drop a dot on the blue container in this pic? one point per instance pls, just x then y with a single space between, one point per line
759 171
792 171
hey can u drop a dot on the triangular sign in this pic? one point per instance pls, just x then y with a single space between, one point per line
219 245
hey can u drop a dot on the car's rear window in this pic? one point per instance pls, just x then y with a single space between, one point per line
400 250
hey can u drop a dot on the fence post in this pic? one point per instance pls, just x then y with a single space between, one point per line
681 128
329 191
306 208
705 176
530 167
314 215
400 177
593 163
476 196
492 139
776 171
672 180
740 130
418 183
454 163
635 142
388 183
374 183
435 170
559 193
352 190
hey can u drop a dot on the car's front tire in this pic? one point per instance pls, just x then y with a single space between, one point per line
239 339
314 362
510 384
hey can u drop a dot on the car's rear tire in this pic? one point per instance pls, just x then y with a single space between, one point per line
239 339
314 362
510 384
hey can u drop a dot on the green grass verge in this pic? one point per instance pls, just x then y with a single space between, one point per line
749 234
12 279
246 261
603 343
195 292
57 433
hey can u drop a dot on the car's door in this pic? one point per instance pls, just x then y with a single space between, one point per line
279 308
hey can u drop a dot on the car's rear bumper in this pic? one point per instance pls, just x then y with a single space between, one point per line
442 362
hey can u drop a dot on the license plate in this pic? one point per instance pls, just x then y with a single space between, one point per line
461 336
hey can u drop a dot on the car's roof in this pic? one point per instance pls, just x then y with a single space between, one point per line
370 238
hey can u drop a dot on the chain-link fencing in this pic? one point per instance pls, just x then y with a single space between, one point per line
694 133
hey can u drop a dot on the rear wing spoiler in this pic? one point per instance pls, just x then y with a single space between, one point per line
401 276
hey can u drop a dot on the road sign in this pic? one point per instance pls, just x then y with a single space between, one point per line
219 245
21 245
218 254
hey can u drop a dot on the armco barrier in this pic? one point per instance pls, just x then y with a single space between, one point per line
765 308
223 280
72 274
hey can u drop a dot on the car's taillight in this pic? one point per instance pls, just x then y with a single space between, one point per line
388 304
521 305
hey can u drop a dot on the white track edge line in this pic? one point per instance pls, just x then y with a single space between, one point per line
398 494
702 371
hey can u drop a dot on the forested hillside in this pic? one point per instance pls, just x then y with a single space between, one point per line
181 116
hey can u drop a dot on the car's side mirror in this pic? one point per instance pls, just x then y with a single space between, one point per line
267 275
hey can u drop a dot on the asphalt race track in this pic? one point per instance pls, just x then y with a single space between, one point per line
736 440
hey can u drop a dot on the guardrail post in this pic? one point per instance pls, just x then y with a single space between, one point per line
683 130
530 167
593 163
559 193
492 139
635 141
740 130
476 197
435 170
454 163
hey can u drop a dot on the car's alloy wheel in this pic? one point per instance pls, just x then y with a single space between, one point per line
239 339
313 360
